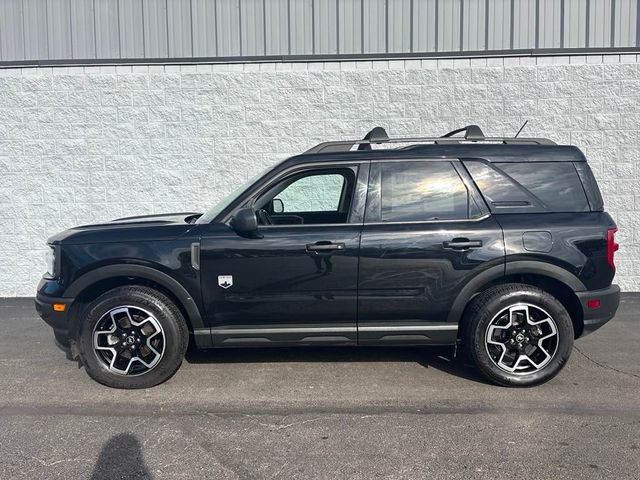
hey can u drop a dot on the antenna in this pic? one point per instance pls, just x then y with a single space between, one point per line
521 128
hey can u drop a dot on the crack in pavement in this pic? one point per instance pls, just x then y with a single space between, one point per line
604 365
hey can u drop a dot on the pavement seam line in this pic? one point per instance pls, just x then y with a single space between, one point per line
604 365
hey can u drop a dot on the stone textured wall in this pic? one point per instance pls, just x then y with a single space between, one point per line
87 144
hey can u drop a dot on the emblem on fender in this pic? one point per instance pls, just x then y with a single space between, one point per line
225 281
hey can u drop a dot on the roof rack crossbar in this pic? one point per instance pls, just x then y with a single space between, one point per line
379 135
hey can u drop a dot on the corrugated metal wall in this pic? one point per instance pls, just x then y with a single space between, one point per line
43 30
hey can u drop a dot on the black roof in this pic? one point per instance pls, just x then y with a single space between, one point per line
473 145
490 152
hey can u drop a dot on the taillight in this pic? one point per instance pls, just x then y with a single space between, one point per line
612 247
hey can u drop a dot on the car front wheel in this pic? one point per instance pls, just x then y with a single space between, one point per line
132 337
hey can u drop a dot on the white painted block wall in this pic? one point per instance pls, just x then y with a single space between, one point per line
88 144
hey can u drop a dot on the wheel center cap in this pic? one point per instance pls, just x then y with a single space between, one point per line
519 337
131 339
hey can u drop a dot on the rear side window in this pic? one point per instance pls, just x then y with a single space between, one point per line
421 191
556 184
530 186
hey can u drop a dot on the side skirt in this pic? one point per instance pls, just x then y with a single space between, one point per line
432 334
250 336
283 336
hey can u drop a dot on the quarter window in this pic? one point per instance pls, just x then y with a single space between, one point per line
421 191
556 184
517 187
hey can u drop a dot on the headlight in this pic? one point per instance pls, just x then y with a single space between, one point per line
50 257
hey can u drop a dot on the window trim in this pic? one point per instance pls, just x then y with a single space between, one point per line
374 195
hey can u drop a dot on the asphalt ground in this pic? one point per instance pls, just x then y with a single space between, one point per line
320 413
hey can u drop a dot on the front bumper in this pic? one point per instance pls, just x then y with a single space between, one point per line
594 318
44 307
46 296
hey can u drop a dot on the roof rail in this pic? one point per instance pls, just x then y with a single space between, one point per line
473 134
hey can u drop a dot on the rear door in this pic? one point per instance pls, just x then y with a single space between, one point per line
427 232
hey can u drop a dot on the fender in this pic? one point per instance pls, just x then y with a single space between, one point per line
475 284
511 268
547 270
147 273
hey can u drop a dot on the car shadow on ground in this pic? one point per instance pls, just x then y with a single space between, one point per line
121 457
439 358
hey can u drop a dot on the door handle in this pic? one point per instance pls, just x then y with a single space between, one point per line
324 246
462 244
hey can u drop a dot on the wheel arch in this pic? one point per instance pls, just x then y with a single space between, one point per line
92 284
553 279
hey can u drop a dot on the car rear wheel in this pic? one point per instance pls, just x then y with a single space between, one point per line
518 335
132 337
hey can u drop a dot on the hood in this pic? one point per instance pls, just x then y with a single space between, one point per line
143 227
164 218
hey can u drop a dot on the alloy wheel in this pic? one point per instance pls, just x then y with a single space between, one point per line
521 339
128 340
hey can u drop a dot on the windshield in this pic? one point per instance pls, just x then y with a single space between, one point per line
214 211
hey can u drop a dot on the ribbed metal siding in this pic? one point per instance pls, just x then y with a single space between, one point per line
499 25
524 13
550 23
625 19
130 29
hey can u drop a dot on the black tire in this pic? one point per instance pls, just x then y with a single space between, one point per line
173 336
488 309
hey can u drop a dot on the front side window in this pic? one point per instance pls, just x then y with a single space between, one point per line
311 197
421 191
313 193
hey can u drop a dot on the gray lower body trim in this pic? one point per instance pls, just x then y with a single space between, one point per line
202 338
436 334
410 328
278 330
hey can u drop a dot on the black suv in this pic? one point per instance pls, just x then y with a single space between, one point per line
498 245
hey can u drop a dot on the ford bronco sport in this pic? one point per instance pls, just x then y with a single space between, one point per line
498 245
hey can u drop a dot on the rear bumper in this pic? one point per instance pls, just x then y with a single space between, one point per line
594 318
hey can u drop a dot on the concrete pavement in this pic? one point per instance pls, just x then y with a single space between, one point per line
319 413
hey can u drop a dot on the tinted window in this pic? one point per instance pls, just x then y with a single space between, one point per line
314 193
500 191
556 184
418 191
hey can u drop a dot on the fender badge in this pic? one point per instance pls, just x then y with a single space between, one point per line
225 281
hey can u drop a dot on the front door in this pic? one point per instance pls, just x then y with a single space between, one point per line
297 282
427 233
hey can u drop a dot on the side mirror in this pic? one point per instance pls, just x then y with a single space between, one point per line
245 223
278 205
